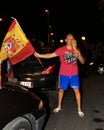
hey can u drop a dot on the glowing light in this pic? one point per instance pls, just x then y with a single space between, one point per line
83 38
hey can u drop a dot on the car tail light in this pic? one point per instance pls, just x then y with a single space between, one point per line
48 70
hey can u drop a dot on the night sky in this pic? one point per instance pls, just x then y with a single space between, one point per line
80 17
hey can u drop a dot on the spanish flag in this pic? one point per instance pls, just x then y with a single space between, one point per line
15 47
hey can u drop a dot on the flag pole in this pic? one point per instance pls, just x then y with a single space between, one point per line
0 75
18 25
25 35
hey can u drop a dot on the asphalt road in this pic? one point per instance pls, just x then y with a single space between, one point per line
92 89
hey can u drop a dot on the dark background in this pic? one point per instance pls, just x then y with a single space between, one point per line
80 17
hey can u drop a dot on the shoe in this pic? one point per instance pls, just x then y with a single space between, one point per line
56 110
80 113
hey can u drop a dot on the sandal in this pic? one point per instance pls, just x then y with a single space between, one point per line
80 113
56 110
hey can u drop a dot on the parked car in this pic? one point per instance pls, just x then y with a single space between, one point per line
37 74
92 66
20 109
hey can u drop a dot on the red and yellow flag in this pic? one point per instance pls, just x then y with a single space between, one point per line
16 47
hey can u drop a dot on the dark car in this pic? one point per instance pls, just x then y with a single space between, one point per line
92 66
37 74
20 109
100 63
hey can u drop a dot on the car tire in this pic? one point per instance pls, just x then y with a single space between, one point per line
100 69
20 123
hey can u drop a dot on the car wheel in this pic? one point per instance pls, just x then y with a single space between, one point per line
100 69
20 123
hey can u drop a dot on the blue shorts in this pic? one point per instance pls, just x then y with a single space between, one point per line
65 81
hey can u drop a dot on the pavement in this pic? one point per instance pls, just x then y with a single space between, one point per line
92 89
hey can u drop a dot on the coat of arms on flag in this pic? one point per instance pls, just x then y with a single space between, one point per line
16 47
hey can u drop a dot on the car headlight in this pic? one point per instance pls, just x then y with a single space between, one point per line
91 63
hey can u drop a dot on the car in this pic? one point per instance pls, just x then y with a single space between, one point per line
20 109
37 74
92 66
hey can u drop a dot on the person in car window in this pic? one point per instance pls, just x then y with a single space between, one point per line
68 75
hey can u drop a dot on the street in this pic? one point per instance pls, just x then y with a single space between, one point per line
92 89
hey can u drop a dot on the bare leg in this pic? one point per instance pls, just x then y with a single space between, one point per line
60 97
78 100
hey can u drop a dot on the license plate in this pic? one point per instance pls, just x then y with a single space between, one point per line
28 84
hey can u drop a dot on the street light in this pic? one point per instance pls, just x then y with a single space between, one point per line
1 19
83 38
48 36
